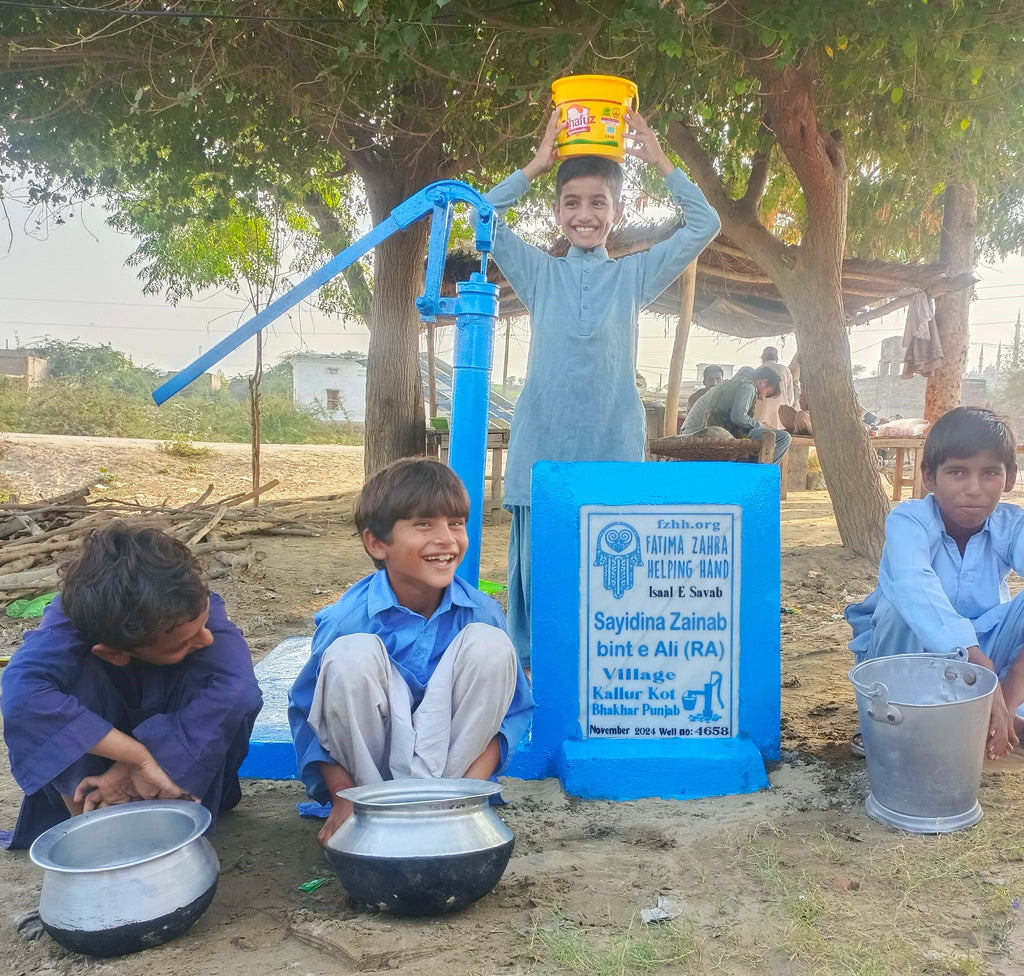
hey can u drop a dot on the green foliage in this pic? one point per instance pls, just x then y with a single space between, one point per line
120 404
182 447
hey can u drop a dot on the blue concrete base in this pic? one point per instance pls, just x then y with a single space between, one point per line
271 753
630 769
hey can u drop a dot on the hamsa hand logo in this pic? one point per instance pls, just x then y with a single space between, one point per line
618 551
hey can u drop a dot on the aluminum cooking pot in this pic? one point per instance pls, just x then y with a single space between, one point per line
127 877
421 846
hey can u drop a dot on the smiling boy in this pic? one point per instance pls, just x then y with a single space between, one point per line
412 672
134 686
580 401
942 578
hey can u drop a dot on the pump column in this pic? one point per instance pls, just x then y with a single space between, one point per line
476 311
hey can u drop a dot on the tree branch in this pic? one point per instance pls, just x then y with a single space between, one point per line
760 168
740 220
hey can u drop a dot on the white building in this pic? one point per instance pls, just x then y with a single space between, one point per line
334 384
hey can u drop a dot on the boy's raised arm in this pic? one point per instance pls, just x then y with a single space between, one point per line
646 145
667 260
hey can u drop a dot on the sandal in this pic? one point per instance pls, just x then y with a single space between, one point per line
857 744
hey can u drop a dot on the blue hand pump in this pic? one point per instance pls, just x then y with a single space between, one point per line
475 310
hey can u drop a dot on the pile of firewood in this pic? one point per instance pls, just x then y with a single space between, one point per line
36 538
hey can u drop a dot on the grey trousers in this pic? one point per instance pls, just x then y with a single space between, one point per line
363 715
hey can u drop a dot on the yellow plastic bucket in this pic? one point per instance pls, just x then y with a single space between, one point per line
594 106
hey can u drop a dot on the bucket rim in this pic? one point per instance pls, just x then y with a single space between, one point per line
861 689
587 79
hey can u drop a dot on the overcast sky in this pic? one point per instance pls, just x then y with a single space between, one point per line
71 283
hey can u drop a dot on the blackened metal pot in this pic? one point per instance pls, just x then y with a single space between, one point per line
421 846
127 877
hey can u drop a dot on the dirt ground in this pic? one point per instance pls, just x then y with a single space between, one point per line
795 879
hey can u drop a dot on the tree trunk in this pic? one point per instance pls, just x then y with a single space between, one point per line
809 278
952 311
395 418
847 461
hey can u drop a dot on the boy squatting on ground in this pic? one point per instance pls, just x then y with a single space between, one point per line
134 686
412 672
580 401
942 578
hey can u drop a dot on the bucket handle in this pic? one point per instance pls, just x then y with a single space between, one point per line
880 709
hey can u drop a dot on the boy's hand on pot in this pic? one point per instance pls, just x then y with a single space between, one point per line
547 153
341 810
645 145
1002 739
125 782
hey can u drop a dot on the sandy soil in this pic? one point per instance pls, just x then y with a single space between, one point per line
793 880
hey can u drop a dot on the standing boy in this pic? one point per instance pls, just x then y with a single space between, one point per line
135 686
942 578
412 672
766 410
579 402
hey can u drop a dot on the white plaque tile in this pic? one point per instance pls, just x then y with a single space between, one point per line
659 627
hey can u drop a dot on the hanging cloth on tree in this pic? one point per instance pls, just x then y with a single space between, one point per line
922 349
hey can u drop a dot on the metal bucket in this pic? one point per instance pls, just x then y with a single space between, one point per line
924 720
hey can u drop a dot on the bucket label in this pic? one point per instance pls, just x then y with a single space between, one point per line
659 627
578 119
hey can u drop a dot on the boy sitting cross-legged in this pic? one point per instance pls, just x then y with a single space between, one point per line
412 672
942 579
134 686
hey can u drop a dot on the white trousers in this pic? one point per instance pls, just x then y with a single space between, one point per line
363 716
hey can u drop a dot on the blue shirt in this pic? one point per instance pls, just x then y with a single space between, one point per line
580 401
47 728
948 600
414 644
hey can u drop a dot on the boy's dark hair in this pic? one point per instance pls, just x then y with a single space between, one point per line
965 431
130 584
766 373
411 487
609 170
711 370
770 355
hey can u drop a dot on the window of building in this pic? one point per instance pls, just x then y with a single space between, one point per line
332 370
333 400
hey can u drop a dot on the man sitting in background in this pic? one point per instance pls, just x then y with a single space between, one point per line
713 375
766 410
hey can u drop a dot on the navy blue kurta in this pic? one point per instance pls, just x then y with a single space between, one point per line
59 699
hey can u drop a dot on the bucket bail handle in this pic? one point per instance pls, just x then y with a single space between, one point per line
880 708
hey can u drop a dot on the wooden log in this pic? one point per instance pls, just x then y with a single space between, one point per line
238 499
27 578
226 546
82 491
204 531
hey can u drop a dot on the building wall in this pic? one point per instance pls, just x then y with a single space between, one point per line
314 376
890 395
30 369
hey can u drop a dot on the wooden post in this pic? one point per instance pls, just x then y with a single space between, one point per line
431 371
687 287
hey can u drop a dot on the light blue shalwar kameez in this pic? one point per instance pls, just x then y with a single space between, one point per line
931 599
580 401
